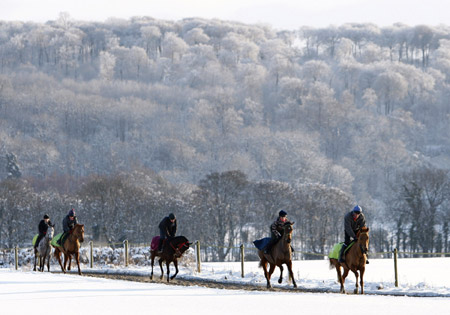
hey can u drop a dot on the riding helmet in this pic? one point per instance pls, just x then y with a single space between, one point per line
282 213
72 213
357 209
46 216
172 216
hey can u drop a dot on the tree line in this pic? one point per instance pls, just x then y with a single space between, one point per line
225 210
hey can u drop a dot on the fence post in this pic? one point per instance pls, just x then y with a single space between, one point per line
91 260
197 244
16 257
125 244
242 260
395 267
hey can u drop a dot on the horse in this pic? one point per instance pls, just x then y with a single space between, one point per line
355 259
171 251
43 250
71 247
281 253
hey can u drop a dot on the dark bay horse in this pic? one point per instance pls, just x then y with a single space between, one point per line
71 247
43 250
355 259
281 253
171 251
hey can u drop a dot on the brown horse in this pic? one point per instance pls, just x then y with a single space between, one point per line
281 253
43 250
172 250
71 247
355 259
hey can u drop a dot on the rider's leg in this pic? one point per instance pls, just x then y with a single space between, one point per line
40 236
344 246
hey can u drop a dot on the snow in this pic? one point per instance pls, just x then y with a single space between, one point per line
426 281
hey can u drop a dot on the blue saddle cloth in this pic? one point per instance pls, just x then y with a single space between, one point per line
262 243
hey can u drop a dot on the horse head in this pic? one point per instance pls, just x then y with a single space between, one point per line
78 232
287 231
180 244
50 233
363 239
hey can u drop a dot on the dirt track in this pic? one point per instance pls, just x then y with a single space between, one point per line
204 283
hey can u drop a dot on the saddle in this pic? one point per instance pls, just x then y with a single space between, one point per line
155 243
55 240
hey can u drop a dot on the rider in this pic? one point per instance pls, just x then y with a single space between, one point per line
353 221
167 229
43 227
69 222
276 230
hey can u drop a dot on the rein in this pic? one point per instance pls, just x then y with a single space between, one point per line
178 248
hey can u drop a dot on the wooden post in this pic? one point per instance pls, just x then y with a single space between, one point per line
198 255
16 257
242 260
125 243
395 267
91 260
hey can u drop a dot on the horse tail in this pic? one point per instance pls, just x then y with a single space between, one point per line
332 263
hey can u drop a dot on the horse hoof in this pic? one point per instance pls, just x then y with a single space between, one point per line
280 280
295 285
355 291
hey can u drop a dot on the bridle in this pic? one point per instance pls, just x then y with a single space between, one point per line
178 248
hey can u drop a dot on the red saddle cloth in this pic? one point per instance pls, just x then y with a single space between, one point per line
155 243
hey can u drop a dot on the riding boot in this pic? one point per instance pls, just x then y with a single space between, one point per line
341 253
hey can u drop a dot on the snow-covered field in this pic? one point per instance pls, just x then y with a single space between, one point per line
426 279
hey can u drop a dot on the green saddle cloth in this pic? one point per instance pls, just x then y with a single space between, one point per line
334 253
55 239
34 239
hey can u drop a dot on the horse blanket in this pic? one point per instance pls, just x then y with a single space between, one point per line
334 253
34 239
55 239
262 243
155 243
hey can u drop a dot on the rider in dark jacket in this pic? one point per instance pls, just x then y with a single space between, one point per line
43 227
353 222
167 229
69 222
276 230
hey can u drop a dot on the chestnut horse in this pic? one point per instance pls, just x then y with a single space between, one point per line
171 251
355 259
71 247
43 250
281 253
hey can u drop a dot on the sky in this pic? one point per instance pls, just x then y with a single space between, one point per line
280 14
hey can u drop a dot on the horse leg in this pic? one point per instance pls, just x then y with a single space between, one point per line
69 259
168 269
175 262
356 283
65 261
361 274
152 257
58 256
35 258
269 274
343 279
160 266
291 273
339 275
266 274
77 258
281 274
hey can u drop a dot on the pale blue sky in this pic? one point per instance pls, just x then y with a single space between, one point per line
281 14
